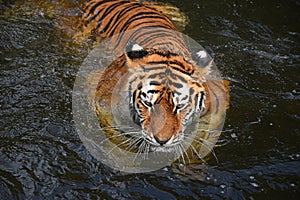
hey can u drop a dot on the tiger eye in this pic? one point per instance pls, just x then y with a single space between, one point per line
148 103
179 106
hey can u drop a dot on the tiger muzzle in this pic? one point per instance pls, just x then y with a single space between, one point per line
163 124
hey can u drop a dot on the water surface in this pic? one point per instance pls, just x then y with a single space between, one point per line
256 46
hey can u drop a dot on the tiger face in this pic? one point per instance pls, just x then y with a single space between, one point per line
165 92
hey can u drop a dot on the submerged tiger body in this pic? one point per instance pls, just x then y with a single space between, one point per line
157 80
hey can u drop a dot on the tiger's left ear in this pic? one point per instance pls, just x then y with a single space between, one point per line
134 51
204 60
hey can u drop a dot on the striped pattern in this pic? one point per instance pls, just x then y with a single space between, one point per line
162 87
165 87
148 27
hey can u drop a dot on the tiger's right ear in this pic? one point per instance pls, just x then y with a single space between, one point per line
135 51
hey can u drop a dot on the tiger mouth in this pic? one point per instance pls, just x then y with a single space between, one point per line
159 146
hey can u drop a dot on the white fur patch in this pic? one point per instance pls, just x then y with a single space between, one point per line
202 54
136 47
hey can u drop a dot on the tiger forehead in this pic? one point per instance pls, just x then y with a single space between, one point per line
164 59
160 86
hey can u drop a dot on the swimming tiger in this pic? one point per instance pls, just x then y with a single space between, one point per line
162 84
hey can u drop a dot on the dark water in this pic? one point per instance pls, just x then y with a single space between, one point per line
256 45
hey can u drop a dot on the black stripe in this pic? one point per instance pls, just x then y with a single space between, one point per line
120 37
162 35
158 63
184 72
112 21
191 91
154 83
178 63
153 91
166 53
158 100
176 92
176 76
130 7
140 16
184 98
166 26
108 10
133 35
133 97
149 31
161 74
201 99
154 68
196 101
170 98
157 31
177 85
143 94
140 85
216 97
96 6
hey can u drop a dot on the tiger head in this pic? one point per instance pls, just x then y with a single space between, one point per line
165 93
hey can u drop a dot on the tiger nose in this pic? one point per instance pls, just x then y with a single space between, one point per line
161 141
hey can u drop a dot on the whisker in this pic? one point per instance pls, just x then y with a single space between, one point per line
198 155
216 131
203 140
185 152
207 146
221 143
118 145
178 149
193 148
142 149
139 152
117 128
147 149
132 144
120 135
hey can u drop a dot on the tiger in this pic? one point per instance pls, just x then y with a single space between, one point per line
166 85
